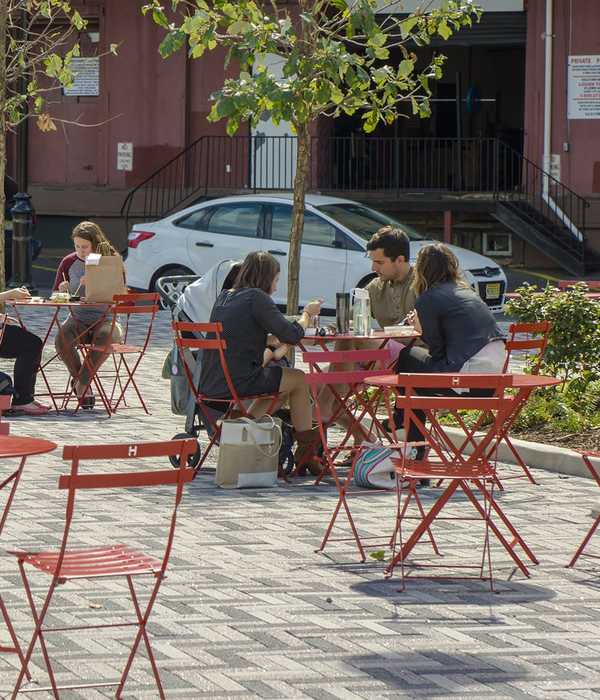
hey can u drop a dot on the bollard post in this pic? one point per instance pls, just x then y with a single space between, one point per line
21 241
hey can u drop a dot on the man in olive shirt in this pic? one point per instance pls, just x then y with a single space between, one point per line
392 298
391 293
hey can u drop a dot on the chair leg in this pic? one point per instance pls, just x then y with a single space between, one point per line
16 647
37 634
15 478
142 634
583 545
493 527
520 461
486 542
517 537
422 527
130 380
412 492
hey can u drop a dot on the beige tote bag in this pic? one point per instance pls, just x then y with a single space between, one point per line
248 453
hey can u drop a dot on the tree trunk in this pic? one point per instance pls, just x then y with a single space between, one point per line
3 24
300 185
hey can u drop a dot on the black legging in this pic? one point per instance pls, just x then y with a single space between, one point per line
417 360
26 349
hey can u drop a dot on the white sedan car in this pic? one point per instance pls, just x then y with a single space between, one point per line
334 244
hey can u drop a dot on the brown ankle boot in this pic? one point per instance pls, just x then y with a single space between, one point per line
306 455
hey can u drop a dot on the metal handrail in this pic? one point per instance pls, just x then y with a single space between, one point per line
126 206
559 205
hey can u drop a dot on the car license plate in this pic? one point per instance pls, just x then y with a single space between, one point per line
492 291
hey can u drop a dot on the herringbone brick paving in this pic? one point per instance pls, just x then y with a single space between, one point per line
250 611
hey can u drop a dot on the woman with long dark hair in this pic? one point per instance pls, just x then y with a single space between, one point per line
249 315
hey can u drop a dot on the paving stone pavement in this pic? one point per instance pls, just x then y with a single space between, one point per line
250 611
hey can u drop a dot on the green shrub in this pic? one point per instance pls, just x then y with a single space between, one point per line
574 341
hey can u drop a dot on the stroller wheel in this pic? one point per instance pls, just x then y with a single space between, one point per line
193 459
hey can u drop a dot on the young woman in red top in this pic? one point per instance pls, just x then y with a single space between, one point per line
88 324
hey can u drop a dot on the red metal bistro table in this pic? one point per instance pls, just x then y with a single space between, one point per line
525 384
20 448
55 308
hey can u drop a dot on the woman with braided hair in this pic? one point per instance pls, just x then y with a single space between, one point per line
88 324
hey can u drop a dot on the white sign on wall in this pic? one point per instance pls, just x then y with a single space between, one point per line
584 87
124 156
487 5
86 77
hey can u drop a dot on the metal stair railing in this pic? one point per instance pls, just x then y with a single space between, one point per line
544 201
169 185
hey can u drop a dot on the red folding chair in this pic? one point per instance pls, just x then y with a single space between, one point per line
536 340
473 473
208 337
351 401
523 338
126 355
70 564
587 457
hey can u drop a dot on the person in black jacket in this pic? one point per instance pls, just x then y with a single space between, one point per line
456 325
249 315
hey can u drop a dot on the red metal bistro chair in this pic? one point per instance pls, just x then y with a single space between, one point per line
594 470
352 402
536 340
69 564
213 411
531 338
473 473
126 355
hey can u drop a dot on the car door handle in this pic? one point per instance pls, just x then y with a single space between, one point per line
277 252
204 244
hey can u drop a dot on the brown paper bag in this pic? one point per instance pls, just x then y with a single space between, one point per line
104 280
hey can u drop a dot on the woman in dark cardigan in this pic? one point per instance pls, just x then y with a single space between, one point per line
249 315
458 328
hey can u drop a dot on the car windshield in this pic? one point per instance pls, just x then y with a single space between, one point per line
364 221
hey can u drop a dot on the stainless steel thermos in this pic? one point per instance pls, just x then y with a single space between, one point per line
342 312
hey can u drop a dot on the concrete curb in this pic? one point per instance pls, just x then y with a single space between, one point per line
536 455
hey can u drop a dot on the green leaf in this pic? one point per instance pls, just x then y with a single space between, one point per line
444 30
160 18
405 68
337 96
378 555
77 21
232 126
239 27
171 43
407 25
